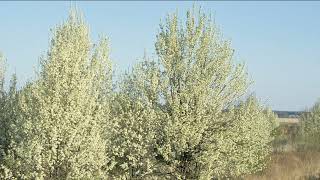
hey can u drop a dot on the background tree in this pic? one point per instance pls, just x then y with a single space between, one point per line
63 112
310 127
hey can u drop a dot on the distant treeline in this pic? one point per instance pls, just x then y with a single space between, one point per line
288 114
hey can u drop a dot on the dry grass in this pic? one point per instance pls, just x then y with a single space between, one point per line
291 166
288 120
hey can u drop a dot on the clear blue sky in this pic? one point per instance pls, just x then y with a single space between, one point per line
278 41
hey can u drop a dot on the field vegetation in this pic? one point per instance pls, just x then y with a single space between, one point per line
296 152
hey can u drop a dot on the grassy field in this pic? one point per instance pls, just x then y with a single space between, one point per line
291 166
288 162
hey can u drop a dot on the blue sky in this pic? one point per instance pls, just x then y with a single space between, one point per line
278 41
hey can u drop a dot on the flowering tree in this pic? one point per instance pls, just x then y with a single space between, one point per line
179 116
63 113
190 87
